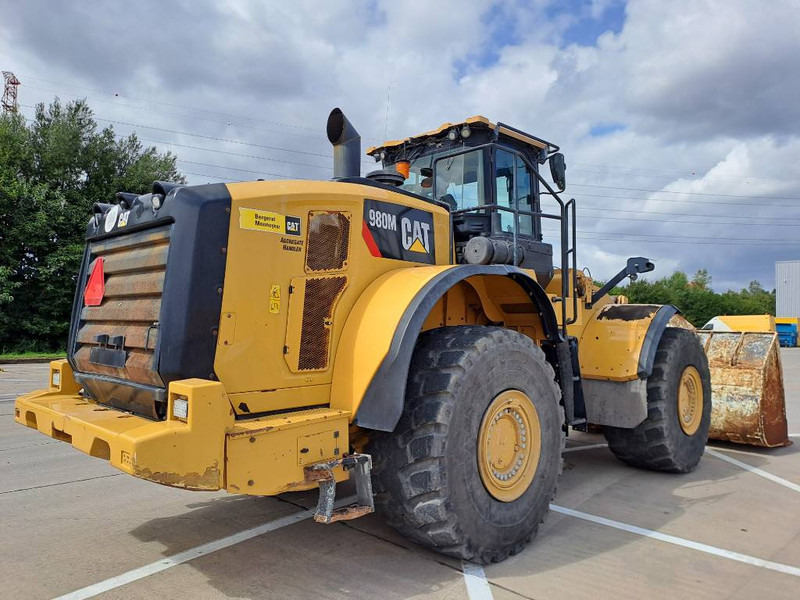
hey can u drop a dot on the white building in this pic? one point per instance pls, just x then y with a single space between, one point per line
787 288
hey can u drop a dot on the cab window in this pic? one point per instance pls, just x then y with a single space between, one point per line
513 185
459 180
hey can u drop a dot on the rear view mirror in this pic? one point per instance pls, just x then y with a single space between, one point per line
558 170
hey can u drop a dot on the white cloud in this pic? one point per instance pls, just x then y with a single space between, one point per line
702 95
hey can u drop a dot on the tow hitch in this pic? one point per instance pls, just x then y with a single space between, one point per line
322 473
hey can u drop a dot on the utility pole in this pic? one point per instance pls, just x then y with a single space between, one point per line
10 92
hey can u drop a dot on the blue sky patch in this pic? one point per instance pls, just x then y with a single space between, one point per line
583 28
601 129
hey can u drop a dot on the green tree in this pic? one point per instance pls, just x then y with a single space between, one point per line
695 298
52 170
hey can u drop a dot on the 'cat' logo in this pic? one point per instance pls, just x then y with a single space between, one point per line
400 232
415 235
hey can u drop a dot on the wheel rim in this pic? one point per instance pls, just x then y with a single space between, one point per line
509 445
690 401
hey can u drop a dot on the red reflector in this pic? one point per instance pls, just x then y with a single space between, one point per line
96 287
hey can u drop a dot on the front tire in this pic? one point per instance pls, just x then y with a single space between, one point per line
674 435
473 462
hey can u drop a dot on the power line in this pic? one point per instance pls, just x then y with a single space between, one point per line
681 172
693 202
699 242
319 136
189 162
611 187
151 101
582 207
705 224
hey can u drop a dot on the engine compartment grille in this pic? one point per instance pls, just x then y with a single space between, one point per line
328 241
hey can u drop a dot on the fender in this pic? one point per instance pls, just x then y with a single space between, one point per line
617 352
378 340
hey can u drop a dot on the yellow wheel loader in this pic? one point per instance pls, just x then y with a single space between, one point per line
412 329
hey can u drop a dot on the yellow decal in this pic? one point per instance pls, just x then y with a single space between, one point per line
417 246
275 299
263 220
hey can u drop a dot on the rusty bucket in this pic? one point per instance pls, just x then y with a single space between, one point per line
747 397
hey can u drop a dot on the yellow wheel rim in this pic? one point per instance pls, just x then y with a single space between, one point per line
690 401
509 445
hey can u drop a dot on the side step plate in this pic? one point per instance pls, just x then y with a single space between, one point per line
361 467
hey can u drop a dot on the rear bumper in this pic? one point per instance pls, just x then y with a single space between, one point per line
181 453
208 450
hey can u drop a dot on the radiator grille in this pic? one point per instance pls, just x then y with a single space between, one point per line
320 299
328 241
134 267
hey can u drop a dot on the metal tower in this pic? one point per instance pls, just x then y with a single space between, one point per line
10 92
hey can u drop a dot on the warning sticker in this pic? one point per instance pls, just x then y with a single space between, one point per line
275 299
263 220
397 231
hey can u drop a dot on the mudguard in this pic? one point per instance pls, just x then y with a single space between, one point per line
375 350
617 350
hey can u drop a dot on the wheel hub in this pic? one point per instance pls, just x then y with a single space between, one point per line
509 445
690 400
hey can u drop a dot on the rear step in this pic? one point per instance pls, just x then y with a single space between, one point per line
361 465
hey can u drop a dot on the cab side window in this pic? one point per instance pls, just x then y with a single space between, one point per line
513 185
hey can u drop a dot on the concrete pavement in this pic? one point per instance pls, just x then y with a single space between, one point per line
70 521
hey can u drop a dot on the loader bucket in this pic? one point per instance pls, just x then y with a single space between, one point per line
747 397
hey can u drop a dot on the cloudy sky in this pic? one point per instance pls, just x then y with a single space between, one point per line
680 120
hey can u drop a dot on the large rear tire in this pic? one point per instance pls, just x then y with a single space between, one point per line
674 435
472 465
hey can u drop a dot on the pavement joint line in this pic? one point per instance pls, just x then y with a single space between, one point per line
168 562
47 485
476 582
755 470
29 445
586 447
678 541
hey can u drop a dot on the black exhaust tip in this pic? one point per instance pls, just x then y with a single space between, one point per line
346 145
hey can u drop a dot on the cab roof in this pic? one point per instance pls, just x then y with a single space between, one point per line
477 121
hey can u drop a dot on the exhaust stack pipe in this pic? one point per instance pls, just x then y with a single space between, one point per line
346 145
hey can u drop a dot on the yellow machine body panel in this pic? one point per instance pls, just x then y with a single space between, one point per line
206 450
267 456
612 339
381 314
298 262
759 323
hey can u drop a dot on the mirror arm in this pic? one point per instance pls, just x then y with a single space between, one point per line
635 266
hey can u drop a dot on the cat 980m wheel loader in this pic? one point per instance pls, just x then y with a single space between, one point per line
411 329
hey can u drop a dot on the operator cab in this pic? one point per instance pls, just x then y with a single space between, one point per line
488 175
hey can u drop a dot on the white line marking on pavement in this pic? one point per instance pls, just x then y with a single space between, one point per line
671 539
190 554
794 435
755 470
587 447
475 580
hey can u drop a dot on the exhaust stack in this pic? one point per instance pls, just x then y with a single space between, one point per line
346 145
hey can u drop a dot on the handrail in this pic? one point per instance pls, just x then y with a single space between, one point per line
567 219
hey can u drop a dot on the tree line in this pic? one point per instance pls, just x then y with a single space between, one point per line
53 168
695 298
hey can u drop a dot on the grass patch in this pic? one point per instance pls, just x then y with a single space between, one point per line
32 356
